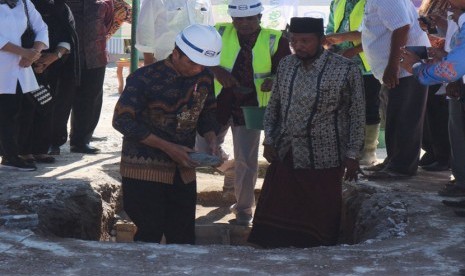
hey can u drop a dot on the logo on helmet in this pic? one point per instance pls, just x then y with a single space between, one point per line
243 7
210 53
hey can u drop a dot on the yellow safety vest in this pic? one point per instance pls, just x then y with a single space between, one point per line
265 47
355 20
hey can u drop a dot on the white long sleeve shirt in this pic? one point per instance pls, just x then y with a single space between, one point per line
13 24
161 20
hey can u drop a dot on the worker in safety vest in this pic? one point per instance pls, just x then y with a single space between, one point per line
248 60
345 19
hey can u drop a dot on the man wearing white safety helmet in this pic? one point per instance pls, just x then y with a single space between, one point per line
249 59
160 111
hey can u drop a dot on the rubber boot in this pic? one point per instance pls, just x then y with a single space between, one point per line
371 142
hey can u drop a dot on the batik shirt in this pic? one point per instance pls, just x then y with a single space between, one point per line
157 100
93 20
317 113
122 13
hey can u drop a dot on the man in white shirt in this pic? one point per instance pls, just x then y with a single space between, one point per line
387 26
161 20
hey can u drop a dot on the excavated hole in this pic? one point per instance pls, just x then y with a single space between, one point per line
367 214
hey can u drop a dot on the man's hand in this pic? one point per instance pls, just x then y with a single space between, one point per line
44 61
351 167
338 38
24 62
408 59
212 142
350 52
391 75
30 54
180 155
436 54
270 154
224 77
267 85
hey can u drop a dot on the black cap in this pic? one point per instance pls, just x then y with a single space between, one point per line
306 25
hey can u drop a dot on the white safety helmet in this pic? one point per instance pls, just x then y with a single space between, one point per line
201 44
244 8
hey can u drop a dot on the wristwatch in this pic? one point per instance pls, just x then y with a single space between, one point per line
59 54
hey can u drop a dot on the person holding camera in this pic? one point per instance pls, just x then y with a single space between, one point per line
435 140
448 69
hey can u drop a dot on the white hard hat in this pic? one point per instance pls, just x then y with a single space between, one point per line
201 44
244 8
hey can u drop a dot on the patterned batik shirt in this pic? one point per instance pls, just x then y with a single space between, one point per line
158 100
93 20
318 112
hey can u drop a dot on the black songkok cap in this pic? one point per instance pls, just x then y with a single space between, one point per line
306 25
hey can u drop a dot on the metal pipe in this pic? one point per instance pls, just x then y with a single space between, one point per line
134 52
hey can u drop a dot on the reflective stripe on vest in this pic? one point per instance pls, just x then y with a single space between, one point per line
265 47
355 20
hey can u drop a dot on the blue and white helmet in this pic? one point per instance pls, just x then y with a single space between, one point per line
201 44
244 8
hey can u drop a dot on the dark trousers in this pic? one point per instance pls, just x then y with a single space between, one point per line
404 125
43 119
159 209
457 140
435 130
83 101
26 123
10 108
372 102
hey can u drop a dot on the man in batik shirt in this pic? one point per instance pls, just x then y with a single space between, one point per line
314 131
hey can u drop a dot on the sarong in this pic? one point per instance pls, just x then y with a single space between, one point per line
298 207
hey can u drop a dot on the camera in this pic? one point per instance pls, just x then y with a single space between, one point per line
420 51
429 24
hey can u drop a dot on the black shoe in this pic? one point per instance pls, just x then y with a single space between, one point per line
242 219
18 164
98 139
54 150
387 174
460 213
435 167
86 148
375 168
452 191
453 203
44 158
426 159
28 160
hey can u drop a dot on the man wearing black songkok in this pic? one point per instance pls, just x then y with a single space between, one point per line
314 132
